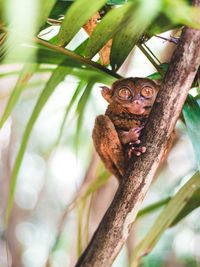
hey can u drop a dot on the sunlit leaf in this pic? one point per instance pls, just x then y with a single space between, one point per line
192 204
153 207
17 72
57 76
59 9
23 79
77 15
45 9
191 113
2 12
51 54
113 21
157 75
101 180
21 28
180 12
80 217
165 219
81 108
126 38
81 48
76 94
116 2
161 24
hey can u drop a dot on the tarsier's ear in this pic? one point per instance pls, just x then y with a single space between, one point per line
106 93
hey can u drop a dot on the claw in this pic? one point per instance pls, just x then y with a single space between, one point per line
134 143
136 151
137 130
140 149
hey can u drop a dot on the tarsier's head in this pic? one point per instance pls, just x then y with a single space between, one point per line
134 95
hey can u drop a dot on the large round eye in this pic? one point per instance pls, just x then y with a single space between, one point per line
124 93
147 92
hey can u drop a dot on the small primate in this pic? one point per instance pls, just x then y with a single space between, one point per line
116 134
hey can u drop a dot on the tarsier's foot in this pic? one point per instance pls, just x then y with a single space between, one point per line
133 148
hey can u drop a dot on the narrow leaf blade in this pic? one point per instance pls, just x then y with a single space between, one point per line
113 21
180 11
57 76
81 108
191 113
23 79
126 38
165 219
78 90
77 15
45 9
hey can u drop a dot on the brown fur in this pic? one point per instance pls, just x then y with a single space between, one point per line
116 134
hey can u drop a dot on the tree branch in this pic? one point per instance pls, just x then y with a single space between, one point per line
116 223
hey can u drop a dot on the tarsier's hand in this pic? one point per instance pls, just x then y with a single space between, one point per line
130 136
131 140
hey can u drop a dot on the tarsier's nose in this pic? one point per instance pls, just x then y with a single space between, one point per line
137 102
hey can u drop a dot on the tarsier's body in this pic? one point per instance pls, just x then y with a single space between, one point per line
116 134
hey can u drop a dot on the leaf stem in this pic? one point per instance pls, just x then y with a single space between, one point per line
150 58
77 57
147 48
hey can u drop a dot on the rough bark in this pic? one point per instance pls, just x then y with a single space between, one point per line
115 225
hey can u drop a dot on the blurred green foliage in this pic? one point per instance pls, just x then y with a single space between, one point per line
128 23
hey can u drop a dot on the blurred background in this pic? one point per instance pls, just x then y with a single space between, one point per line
62 189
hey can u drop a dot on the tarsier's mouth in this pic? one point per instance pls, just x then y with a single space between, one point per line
138 110
146 107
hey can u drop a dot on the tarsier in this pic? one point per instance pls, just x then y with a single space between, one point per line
116 134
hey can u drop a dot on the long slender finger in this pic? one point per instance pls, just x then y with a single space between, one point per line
139 149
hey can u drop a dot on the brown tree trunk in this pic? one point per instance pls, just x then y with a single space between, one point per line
115 225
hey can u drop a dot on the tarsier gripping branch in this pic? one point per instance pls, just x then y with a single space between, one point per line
116 134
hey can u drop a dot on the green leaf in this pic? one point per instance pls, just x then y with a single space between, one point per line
57 76
52 54
113 21
22 20
17 72
80 216
45 9
81 108
191 205
2 11
59 9
126 38
81 48
166 218
191 113
180 12
157 75
153 207
78 90
161 24
23 79
116 2
77 15
101 180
